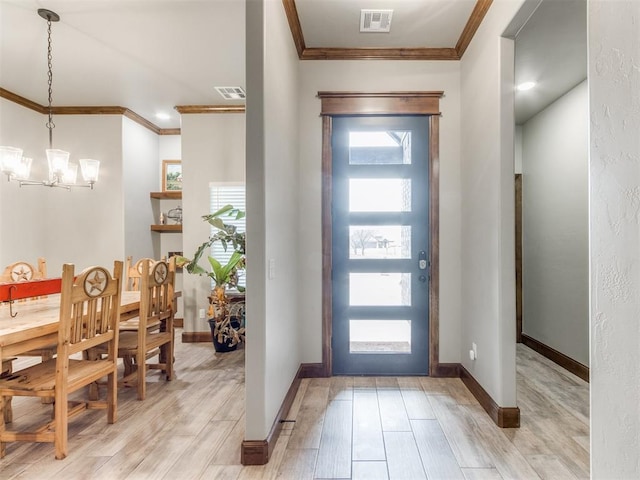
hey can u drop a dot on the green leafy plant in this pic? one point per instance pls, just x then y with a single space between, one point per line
224 276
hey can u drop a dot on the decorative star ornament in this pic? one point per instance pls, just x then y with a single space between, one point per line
160 273
21 273
95 285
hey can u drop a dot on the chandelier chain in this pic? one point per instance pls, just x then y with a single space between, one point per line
50 124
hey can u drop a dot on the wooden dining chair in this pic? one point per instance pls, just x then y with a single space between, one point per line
154 335
133 273
24 272
89 316
5 371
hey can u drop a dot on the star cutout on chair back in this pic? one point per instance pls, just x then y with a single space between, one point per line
21 273
95 283
160 273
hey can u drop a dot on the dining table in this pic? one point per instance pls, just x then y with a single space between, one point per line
36 323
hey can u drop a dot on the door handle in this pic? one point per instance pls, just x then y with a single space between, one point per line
422 260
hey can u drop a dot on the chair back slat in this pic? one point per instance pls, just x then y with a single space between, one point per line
89 307
134 273
156 293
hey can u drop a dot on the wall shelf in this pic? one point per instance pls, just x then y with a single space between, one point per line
166 228
171 195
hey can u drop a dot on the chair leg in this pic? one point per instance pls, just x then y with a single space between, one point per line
141 373
169 361
7 411
61 423
128 365
112 398
2 428
46 355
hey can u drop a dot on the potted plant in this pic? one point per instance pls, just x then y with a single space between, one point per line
224 316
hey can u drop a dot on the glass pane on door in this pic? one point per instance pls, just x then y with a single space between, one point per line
380 336
380 148
379 241
379 195
379 289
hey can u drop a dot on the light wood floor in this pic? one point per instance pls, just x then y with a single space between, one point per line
343 427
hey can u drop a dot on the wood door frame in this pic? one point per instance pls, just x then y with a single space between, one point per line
388 103
518 233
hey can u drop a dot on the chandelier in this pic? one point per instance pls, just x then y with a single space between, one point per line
61 173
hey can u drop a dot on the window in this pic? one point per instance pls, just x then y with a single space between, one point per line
227 194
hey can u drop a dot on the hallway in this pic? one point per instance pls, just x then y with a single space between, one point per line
421 427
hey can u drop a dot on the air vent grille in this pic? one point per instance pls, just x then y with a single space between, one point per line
375 20
231 93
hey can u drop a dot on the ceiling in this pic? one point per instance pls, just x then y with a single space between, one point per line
151 55
551 50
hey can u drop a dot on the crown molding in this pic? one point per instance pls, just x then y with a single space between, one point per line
87 110
379 54
477 15
188 109
319 53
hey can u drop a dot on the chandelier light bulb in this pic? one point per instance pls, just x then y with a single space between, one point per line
24 169
90 169
9 160
71 174
58 162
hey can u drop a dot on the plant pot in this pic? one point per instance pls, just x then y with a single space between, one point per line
220 347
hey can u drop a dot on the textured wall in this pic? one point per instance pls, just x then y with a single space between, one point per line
614 94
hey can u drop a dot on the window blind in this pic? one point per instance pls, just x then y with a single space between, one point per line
222 194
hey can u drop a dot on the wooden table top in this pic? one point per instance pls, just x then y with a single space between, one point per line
39 317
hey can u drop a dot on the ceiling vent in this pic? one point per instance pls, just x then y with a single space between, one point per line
375 20
232 93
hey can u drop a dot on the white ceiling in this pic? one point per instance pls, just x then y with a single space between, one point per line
146 55
414 24
151 55
551 50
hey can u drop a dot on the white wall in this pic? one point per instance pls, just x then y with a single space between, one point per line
488 280
281 209
272 357
170 148
81 226
213 150
88 225
614 173
556 225
140 176
22 210
377 76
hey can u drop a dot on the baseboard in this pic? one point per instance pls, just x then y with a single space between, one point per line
504 417
446 370
555 356
312 370
258 452
178 322
254 452
195 337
